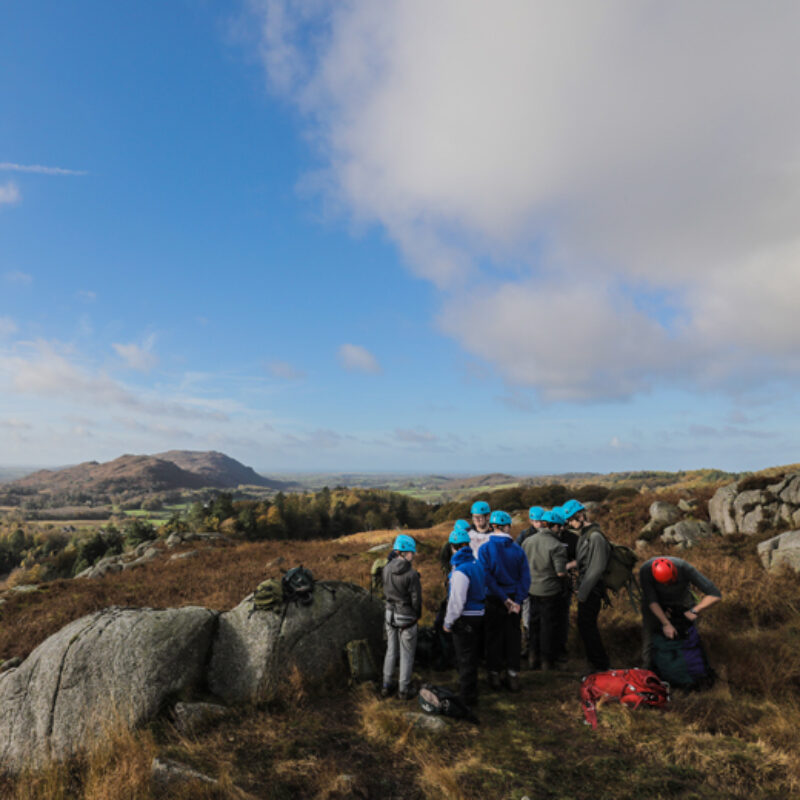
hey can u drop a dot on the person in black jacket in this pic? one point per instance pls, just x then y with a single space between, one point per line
403 593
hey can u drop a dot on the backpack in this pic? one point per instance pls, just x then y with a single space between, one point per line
619 572
268 595
298 584
682 661
376 577
360 661
438 700
632 687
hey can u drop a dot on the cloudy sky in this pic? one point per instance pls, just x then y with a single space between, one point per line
454 236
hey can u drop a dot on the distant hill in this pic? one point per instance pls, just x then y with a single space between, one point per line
177 469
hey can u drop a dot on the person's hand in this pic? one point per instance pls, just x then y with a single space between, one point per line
446 629
690 615
669 630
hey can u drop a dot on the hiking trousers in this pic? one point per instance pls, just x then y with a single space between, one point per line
564 603
503 637
545 627
467 635
588 612
401 645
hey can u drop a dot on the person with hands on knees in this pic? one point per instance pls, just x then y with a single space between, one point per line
667 599
508 580
466 593
403 593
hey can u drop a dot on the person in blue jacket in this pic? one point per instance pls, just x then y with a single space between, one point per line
508 580
464 614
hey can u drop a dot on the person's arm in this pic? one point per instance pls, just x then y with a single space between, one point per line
666 626
559 561
459 584
599 552
416 595
708 600
492 588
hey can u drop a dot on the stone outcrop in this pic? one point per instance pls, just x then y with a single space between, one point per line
662 514
687 532
124 666
756 510
780 550
254 651
116 666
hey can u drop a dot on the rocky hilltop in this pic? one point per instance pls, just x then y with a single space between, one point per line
173 470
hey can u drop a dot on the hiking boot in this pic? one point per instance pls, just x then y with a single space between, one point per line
511 682
494 680
386 691
407 694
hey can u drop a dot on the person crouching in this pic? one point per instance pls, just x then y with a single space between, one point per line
463 617
403 593
507 582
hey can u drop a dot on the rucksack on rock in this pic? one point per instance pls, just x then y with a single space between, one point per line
438 700
360 662
298 584
268 595
376 577
631 687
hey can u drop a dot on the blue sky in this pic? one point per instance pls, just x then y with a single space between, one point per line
532 237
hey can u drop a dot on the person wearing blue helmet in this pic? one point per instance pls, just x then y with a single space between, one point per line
466 594
507 582
403 593
569 541
480 529
445 553
547 560
537 523
592 552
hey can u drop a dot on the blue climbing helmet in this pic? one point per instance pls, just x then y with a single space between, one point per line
405 544
554 516
459 536
480 507
461 525
571 508
500 518
535 513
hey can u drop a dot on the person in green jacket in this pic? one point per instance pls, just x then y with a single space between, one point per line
593 552
547 560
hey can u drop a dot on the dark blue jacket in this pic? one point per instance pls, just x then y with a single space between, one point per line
506 568
464 561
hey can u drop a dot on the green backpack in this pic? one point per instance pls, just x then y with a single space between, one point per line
619 573
376 577
268 596
298 584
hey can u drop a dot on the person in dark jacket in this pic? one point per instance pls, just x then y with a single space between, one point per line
547 560
403 593
667 595
464 614
569 541
593 552
535 514
508 580
446 552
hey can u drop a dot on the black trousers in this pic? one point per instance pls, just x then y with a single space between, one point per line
590 634
503 637
564 603
467 642
545 627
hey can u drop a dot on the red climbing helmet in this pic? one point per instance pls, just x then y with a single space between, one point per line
664 570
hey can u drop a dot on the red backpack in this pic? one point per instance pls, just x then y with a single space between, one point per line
633 687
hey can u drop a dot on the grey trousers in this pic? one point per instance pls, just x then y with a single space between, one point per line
402 644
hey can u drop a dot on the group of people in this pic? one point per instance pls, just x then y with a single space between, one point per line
494 580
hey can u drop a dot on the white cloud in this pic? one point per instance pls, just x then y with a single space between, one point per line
18 278
87 295
7 326
15 424
9 194
49 370
39 169
649 152
285 371
138 357
415 435
355 358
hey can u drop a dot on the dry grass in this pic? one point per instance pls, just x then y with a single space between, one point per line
737 741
